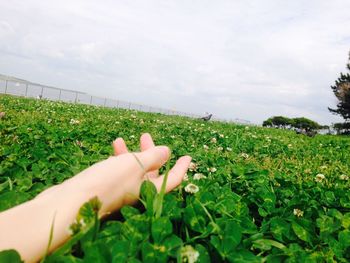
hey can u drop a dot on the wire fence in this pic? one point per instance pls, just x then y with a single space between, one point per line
19 87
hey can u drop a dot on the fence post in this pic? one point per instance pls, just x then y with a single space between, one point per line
6 86
90 99
26 94
41 93
76 97
59 95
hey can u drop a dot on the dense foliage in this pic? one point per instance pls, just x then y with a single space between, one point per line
252 195
341 90
284 122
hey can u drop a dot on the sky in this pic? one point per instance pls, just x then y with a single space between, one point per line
236 59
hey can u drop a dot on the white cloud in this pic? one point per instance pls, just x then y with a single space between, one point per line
237 59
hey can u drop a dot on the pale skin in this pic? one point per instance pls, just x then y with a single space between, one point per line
115 181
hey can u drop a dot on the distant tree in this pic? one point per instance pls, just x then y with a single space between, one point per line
298 123
278 121
342 128
341 90
306 124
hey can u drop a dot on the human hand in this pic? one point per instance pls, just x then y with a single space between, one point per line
176 174
117 180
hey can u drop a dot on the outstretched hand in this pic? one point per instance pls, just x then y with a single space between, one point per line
176 174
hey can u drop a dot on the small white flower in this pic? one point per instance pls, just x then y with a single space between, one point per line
221 135
290 145
297 212
172 136
73 121
220 149
199 176
319 178
185 178
213 140
191 188
205 147
189 254
245 155
132 136
254 136
211 169
192 166
344 177
49 121
323 167
229 149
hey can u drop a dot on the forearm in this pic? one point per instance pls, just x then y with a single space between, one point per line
26 227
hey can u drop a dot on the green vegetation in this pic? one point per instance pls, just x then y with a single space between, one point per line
254 194
341 90
299 123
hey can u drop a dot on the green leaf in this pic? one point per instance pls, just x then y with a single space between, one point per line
129 211
243 256
10 256
301 232
195 218
267 244
161 228
120 251
148 192
344 238
345 221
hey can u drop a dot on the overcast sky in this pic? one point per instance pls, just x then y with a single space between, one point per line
236 59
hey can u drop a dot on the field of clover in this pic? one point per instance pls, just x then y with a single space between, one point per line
252 194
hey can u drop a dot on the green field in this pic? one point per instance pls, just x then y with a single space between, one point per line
266 195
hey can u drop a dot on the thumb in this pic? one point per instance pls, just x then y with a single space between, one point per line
154 158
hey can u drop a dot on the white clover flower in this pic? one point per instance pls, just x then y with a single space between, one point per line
229 149
49 121
206 147
172 136
192 166
245 155
290 145
185 178
73 121
220 149
189 254
211 169
344 177
319 178
221 135
297 212
199 176
191 188
213 140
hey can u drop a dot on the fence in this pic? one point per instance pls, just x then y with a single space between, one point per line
19 87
